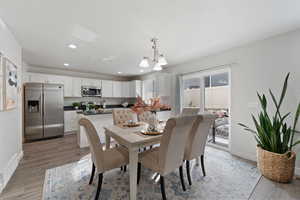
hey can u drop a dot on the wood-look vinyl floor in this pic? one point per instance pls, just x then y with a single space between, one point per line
27 182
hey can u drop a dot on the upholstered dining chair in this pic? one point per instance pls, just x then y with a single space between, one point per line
146 116
169 156
121 116
195 145
102 160
190 111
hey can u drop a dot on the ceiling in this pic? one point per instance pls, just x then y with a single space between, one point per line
112 36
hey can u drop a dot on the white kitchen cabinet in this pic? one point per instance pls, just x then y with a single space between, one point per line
117 89
76 87
55 79
135 88
148 89
126 89
68 87
37 78
107 88
163 85
91 82
71 121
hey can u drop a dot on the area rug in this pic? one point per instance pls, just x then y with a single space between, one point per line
227 177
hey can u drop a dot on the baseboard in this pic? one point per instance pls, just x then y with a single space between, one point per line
9 170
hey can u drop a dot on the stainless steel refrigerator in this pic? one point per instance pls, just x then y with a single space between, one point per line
44 111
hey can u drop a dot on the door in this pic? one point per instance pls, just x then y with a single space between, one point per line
33 111
53 110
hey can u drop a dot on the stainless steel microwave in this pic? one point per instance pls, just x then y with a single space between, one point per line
90 91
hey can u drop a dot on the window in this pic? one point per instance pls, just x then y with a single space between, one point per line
191 92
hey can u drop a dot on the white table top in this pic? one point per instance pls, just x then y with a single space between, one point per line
131 137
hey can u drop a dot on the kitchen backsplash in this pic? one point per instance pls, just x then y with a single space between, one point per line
98 101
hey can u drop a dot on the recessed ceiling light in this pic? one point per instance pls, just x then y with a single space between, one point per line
66 64
119 72
141 70
72 46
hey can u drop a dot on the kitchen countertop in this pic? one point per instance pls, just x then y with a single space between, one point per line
108 111
71 108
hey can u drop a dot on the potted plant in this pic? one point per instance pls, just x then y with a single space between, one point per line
275 139
76 105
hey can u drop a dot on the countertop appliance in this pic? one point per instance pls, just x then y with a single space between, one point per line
90 91
43 110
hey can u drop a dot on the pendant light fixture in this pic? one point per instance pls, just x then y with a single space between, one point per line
158 59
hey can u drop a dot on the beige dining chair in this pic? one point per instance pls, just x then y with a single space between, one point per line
195 145
121 116
169 156
190 111
146 116
102 160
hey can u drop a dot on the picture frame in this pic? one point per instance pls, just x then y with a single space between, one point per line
1 83
10 90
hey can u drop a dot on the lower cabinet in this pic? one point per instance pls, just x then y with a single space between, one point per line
71 121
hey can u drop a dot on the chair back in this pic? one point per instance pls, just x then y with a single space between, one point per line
196 141
94 143
173 142
190 111
146 116
121 116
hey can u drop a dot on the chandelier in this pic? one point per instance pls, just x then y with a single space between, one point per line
158 59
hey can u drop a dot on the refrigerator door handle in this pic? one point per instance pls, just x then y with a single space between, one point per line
43 111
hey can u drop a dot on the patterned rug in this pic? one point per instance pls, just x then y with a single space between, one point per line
227 177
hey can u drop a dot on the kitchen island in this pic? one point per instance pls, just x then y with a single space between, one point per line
100 120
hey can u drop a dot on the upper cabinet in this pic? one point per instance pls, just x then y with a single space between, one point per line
76 87
91 82
117 89
107 88
148 89
125 89
36 78
163 85
56 79
135 88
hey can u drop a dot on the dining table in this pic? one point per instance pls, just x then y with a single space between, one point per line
134 140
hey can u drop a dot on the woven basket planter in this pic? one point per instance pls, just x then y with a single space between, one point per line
277 167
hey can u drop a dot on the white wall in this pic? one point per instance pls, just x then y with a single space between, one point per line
258 67
10 121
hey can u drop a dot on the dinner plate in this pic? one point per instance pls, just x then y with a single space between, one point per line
151 133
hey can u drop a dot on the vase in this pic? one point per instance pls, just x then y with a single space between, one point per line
276 167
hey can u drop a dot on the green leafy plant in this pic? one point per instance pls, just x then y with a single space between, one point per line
274 134
75 104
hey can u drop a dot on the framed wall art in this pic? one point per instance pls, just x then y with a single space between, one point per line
1 83
10 84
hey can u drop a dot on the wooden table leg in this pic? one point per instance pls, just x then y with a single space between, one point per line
107 141
133 161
